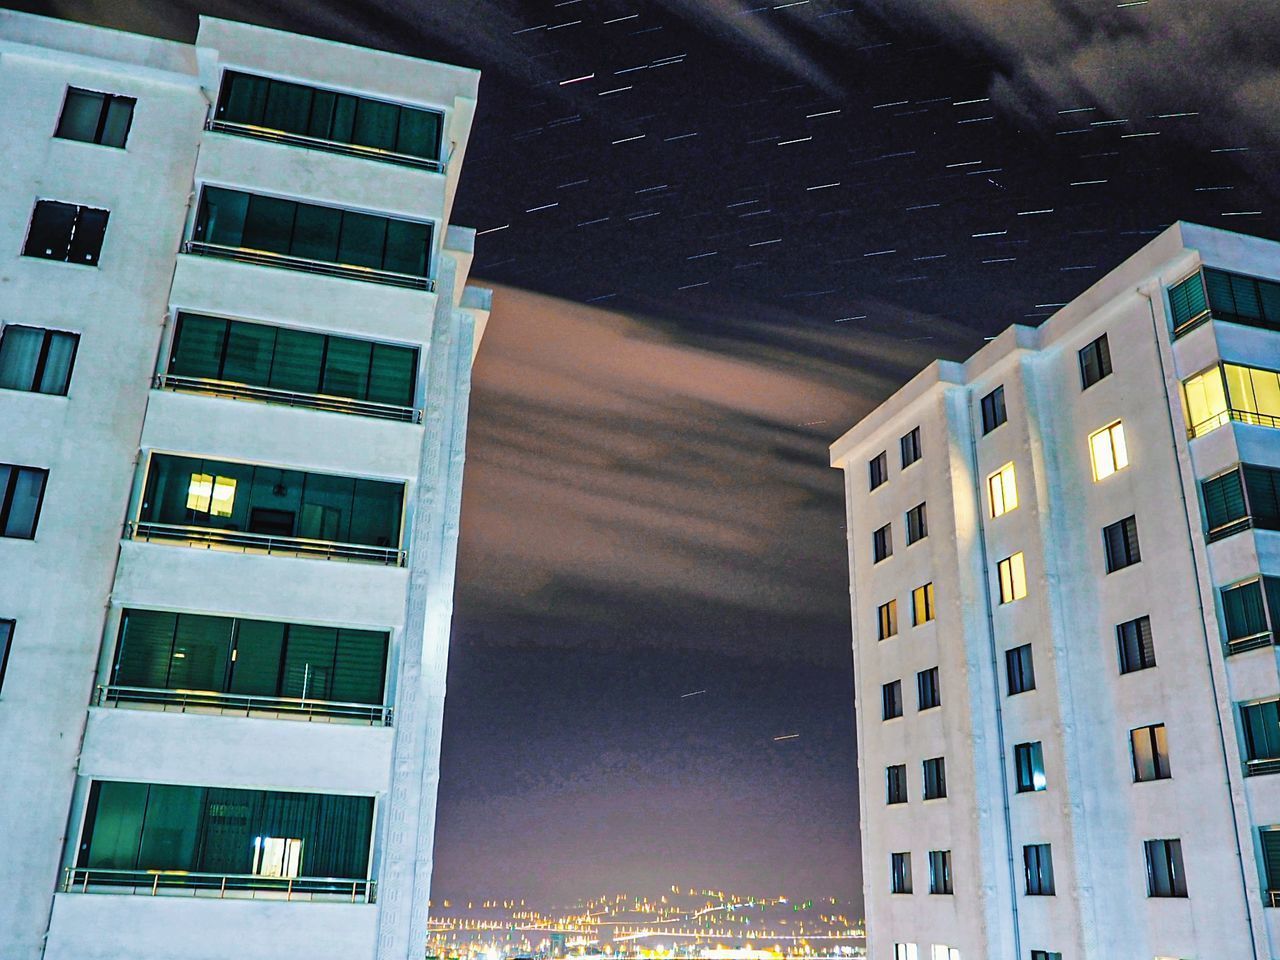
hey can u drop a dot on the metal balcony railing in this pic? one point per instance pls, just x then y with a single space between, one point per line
1273 898
314 401
246 886
1254 641
264 543
1222 531
1261 767
349 271
239 704
329 146
1188 325
1240 416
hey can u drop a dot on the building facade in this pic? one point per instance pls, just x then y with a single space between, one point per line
1064 555
235 352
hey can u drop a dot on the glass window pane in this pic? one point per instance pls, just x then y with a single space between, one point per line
363 239
315 232
1245 293
197 347
274 501
419 134
344 118
259 650
171 829
86 241
1266 388
408 245
80 113
145 649
168 483
201 652
57 363
297 361
346 368
326 508
376 124
321 122
222 214
244 99
249 351
308 662
359 667
28 485
393 375
19 353
268 224
376 516
288 107
115 130
50 234
1240 388
114 826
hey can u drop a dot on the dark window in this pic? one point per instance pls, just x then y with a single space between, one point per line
1020 670
935 778
1262 487
1045 955
896 783
900 872
1120 539
891 694
184 651
188 491
1247 496
1224 502
1246 612
1150 748
1246 300
910 444
21 493
1095 362
928 691
231 218
296 361
1037 862
67 232
326 115
155 827
888 619
36 360
882 543
6 638
1188 304
1269 839
95 117
993 412
1165 874
917 524
1261 728
1136 648
878 467
1028 762
940 871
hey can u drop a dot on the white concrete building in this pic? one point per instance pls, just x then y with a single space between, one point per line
1064 555
235 352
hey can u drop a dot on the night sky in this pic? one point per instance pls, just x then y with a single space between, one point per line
720 232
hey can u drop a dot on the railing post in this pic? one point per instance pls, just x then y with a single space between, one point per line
222 890
155 884
288 894
85 888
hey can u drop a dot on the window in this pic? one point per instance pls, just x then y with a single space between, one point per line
1150 753
993 412
1121 542
292 361
21 493
1246 496
922 604
1246 613
373 125
940 871
95 117
1269 840
879 468
900 872
1261 727
1095 362
67 232
1136 648
887 614
1028 762
6 637
1002 491
905 951
36 360
1231 392
1013 578
917 524
882 543
941 951
1188 304
1165 874
1108 451
1020 673
1045 955
270 225
935 778
1037 863
1239 299
910 444
891 694
896 783
928 690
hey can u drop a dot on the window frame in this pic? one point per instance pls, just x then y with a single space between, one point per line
911 447
882 543
103 114
1011 574
1028 759
1132 551
895 775
7 629
42 361
1019 662
891 705
1143 644
1157 742
928 689
933 772
917 522
76 222
1116 453
997 481
1170 851
1037 867
887 619
900 872
940 873
878 470
1098 351
923 607
8 493
994 412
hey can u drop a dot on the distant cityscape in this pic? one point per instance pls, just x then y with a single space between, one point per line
681 922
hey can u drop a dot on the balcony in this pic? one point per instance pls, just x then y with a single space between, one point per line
265 258
242 705
218 886
244 542
311 401
1254 641
1262 766
272 135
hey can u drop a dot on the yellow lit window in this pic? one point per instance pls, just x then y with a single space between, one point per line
1108 451
212 495
1002 490
922 604
1013 578
1206 397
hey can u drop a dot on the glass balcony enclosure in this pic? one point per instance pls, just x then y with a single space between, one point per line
295 367
1230 391
292 113
1212 294
165 839
272 231
1244 497
195 663
248 507
1260 723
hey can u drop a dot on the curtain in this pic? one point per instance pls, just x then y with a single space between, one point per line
19 354
57 365
1244 611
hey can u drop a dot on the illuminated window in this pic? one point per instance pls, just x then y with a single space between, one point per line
1002 490
1206 398
1107 447
905 951
212 495
1013 578
1150 747
277 856
888 616
922 604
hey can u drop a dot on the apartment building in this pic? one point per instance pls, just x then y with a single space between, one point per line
235 348
1064 556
